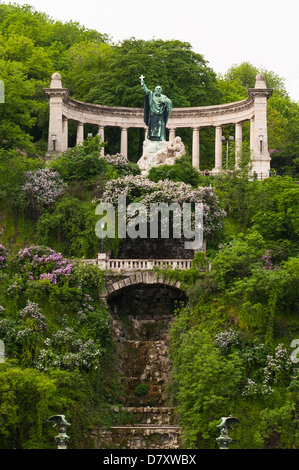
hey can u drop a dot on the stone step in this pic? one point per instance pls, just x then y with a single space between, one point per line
139 437
157 415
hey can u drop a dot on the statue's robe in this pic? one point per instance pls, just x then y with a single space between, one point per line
156 113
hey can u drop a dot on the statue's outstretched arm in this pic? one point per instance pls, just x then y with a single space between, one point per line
144 88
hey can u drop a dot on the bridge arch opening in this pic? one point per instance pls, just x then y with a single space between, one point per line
144 312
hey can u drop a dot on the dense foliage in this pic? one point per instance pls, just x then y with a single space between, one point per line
57 342
231 347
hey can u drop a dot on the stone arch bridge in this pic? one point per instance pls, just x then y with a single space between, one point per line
146 278
128 273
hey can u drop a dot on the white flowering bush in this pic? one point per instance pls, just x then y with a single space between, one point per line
117 160
43 186
225 339
276 368
32 317
25 329
141 189
65 350
121 164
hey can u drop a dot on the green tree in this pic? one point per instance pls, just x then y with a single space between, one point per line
25 406
13 168
206 382
276 209
16 117
283 113
183 74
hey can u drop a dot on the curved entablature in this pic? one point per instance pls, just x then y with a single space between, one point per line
180 117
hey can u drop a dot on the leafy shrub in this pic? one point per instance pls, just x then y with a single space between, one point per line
81 162
141 390
70 225
182 170
13 168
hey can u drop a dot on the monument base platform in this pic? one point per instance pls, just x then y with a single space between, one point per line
156 153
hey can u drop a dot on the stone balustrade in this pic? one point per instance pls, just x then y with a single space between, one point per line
132 265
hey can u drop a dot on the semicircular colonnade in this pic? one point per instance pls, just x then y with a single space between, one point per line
253 109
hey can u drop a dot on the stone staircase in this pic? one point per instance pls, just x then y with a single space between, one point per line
142 358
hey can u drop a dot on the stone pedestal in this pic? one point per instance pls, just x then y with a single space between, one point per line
150 154
156 153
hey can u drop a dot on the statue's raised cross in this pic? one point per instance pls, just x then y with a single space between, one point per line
142 77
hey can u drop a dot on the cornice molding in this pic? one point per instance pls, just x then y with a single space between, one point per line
177 113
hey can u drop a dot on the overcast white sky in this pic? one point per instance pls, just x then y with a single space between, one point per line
225 32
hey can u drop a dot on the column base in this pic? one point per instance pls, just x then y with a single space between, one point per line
216 171
51 154
261 168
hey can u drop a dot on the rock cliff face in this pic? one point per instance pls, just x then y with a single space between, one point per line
141 319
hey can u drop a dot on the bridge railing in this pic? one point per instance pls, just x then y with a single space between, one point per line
131 265
146 264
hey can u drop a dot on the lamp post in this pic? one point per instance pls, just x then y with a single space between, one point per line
226 423
102 227
200 227
2 352
54 141
62 437
261 142
224 140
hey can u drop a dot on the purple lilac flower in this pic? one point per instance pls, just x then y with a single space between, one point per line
36 262
3 257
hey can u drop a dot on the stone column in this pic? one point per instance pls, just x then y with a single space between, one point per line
251 134
65 134
195 148
56 93
218 148
171 135
259 131
238 140
124 142
80 133
101 134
